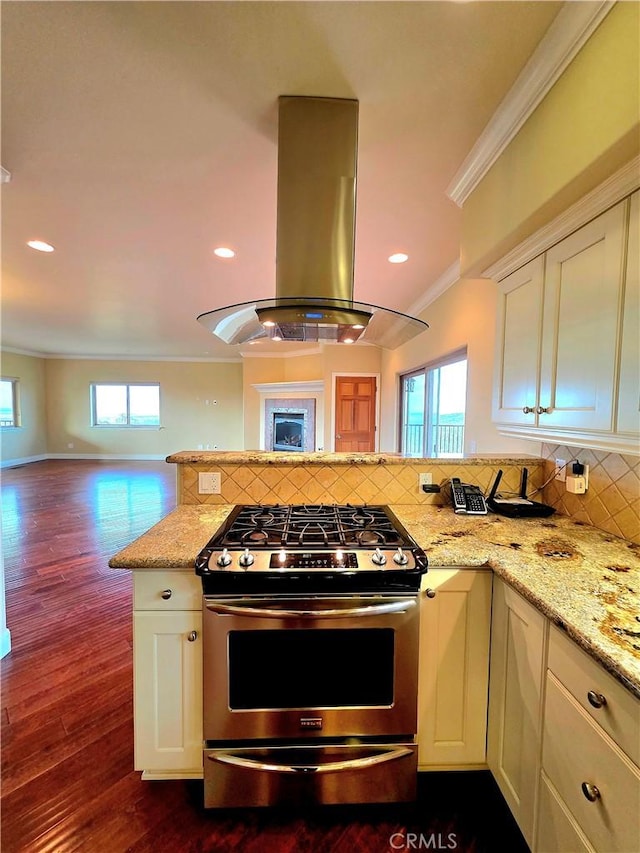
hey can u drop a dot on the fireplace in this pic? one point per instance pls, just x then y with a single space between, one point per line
288 431
290 424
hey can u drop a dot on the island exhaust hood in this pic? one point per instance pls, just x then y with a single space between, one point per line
317 157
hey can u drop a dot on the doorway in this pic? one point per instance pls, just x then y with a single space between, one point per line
355 414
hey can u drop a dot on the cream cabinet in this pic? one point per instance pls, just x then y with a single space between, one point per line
518 644
566 357
628 413
455 619
590 780
167 642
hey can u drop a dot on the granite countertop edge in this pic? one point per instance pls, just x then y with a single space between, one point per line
577 593
267 457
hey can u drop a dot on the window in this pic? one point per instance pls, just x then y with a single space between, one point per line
9 412
432 409
130 405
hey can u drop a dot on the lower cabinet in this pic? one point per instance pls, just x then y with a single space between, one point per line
455 620
518 639
167 677
563 736
590 784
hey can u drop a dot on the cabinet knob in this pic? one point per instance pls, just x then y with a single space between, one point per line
528 410
596 699
430 593
590 791
166 594
192 637
542 411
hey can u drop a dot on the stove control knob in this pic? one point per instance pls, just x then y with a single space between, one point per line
378 558
247 559
400 557
224 559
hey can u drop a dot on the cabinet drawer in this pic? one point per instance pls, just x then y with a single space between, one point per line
584 678
166 591
575 751
557 830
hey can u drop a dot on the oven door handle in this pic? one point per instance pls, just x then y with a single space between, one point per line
266 613
329 767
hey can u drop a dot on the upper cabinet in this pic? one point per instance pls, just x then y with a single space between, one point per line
629 397
567 364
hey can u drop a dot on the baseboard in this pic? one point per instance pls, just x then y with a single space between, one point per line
24 460
5 642
126 457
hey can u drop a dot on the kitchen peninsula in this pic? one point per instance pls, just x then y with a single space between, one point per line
568 579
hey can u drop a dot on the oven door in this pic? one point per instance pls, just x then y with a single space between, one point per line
307 668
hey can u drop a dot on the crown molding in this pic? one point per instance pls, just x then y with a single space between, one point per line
72 357
571 29
621 184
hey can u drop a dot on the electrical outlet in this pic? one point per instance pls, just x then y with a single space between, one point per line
209 483
561 470
424 480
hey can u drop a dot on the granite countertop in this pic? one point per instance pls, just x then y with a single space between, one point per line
270 457
583 579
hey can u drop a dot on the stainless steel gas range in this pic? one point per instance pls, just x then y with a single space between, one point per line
310 630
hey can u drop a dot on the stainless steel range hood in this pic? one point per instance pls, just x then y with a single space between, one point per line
317 159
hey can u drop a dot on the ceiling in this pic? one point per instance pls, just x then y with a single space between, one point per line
141 135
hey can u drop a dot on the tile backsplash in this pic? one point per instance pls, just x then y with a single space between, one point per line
253 483
612 501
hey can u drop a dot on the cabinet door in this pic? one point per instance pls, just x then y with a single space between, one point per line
168 693
629 391
583 286
518 345
518 634
454 668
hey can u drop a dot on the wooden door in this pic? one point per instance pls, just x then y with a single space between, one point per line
355 414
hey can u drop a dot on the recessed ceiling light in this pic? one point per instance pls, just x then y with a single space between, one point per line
40 246
358 326
223 252
347 340
398 258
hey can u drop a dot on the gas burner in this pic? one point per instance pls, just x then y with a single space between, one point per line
262 518
361 518
370 537
255 537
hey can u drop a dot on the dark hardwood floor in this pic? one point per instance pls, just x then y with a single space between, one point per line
67 732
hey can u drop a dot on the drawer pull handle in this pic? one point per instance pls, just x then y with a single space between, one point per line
590 791
430 593
166 594
528 410
192 637
541 410
596 699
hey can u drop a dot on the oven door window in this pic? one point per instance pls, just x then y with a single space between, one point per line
319 668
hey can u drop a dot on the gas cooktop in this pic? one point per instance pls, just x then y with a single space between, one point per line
319 546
